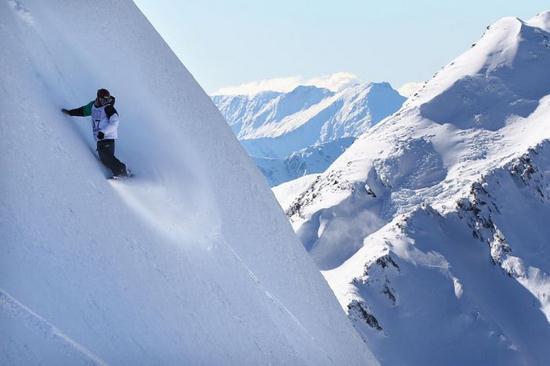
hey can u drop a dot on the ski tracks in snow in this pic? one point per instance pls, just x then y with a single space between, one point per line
13 308
22 12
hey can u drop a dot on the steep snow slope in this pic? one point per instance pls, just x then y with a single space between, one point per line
431 227
190 262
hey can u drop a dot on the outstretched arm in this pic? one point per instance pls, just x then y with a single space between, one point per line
77 112
85 110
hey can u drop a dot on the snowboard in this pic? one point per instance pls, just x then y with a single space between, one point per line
130 174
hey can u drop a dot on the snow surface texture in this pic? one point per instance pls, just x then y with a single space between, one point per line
190 262
305 130
432 228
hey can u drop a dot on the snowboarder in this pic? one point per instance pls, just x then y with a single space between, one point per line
105 127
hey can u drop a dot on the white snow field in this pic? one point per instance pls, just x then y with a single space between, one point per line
433 227
191 262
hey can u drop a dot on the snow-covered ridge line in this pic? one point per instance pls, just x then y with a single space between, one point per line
275 114
426 225
425 238
409 159
531 173
506 44
334 82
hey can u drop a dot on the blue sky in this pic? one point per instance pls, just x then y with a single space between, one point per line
225 43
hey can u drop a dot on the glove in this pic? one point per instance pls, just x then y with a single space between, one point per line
100 135
65 111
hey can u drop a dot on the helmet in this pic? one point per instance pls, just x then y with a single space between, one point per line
103 93
103 97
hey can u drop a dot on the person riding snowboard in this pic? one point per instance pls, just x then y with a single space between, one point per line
105 128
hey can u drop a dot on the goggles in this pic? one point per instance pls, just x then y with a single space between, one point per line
104 100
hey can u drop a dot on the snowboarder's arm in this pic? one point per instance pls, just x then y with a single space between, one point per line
110 111
85 110
112 114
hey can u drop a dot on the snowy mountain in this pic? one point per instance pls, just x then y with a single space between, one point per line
312 159
189 262
432 228
245 114
276 128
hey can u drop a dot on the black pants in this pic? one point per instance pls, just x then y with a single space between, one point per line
106 152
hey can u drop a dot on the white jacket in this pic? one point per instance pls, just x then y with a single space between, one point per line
102 122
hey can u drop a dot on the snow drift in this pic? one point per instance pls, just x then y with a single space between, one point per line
189 262
432 227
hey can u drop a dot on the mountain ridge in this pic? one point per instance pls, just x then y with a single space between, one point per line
275 128
394 201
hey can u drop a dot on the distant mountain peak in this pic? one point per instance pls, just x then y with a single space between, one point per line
541 20
508 66
334 82
278 125
307 88
304 130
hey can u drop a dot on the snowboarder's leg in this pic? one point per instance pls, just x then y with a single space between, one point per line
106 152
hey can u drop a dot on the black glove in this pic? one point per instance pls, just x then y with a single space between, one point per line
65 111
100 135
